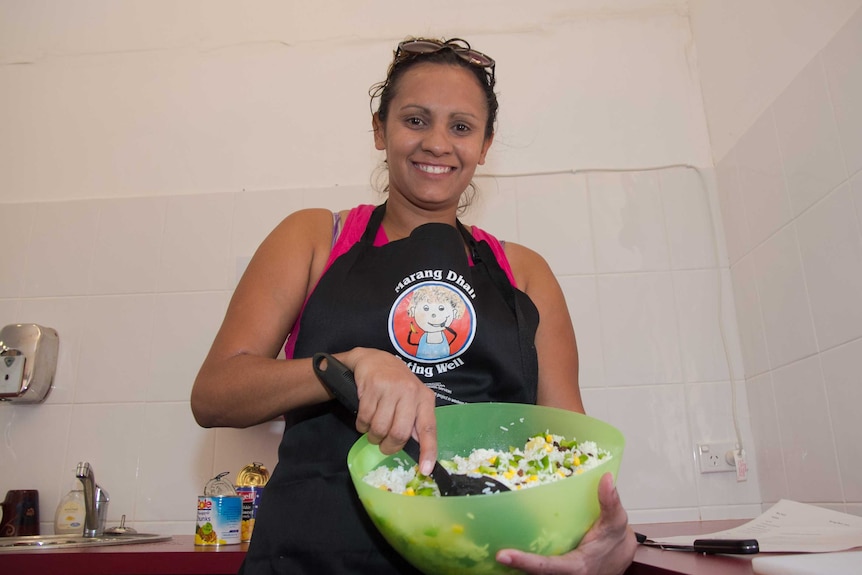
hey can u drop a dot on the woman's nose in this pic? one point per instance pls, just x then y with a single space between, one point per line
437 141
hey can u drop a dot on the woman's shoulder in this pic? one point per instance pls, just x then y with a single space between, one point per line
527 265
319 220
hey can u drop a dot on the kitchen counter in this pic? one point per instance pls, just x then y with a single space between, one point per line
180 556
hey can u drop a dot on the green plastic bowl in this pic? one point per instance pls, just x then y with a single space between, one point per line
454 535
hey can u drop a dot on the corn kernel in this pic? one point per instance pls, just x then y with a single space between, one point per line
576 461
409 491
457 528
549 438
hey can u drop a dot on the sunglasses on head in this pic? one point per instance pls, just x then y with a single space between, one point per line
457 45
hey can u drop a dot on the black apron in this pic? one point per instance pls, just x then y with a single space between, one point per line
464 330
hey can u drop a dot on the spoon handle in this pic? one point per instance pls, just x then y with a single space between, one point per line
339 380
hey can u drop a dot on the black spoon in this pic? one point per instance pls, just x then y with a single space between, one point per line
339 380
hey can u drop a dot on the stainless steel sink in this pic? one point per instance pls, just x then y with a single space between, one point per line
37 542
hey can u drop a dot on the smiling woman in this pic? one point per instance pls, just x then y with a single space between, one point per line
424 310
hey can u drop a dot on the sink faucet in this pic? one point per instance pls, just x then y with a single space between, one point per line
95 501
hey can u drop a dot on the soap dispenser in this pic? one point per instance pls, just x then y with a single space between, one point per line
71 512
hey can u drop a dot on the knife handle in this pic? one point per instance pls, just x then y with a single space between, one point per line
729 546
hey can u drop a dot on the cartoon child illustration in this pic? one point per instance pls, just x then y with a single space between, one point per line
433 308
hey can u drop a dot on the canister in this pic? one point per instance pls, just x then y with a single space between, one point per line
249 485
219 518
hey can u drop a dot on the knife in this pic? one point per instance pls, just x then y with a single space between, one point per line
709 546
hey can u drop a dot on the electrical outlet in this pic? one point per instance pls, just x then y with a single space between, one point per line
716 457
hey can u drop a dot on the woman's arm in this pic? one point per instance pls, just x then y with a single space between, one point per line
240 382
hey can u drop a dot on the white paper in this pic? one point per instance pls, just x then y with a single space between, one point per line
790 527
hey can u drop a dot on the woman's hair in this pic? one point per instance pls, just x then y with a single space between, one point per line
402 61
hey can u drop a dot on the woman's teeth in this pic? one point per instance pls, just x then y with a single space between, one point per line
433 169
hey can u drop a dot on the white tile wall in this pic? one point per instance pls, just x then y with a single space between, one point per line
640 335
737 233
582 300
196 243
798 235
175 358
654 421
767 438
629 224
761 180
128 245
829 239
844 79
783 299
715 424
749 317
691 234
60 254
808 138
16 222
115 349
563 237
806 435
856 192
841 368
701 316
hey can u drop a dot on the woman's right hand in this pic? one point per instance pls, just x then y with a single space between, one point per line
393 404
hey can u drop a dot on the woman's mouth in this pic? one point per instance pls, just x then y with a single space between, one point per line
432 169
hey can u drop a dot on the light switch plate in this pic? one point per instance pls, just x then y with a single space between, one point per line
11 374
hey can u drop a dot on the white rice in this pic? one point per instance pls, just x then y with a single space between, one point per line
544 459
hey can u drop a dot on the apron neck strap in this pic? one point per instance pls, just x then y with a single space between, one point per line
373 224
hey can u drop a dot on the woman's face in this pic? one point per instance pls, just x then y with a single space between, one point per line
434 134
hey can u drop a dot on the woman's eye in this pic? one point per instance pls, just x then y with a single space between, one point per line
462 128
414 121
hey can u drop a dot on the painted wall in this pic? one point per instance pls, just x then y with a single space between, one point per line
149 147
790 186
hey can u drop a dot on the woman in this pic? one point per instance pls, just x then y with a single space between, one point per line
345 283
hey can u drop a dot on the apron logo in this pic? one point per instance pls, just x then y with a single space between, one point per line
432 322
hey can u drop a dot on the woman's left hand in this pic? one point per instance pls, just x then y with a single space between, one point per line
607 549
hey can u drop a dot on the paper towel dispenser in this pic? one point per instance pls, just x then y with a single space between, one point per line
28 361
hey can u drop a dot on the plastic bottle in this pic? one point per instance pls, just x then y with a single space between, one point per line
71 512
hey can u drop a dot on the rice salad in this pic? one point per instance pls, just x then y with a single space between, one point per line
545 458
